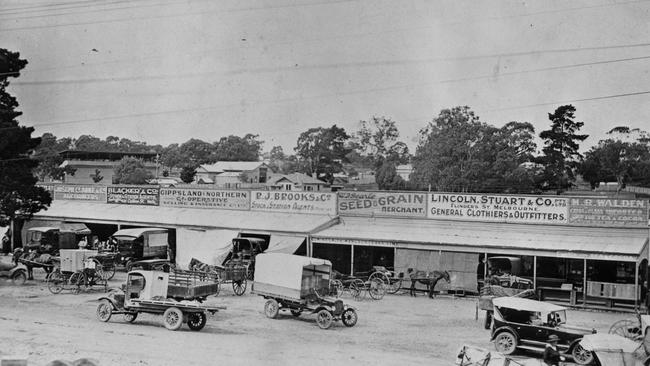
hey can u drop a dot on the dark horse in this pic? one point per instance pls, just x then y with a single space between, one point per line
430 279
197 265
33 259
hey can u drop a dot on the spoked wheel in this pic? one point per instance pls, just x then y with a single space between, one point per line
173 318
109 271
628 328
324 319
378 276
271 308
393 285
77 280
582 356
357 288
130 317
376 289
55 282
19 278
506 343
196 321
338 288
239 287
104 311
349 317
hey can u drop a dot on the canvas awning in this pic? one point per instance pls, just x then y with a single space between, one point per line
286 244
208 246
174 217
541 240
81 229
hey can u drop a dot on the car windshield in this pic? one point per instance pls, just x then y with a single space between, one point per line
557 317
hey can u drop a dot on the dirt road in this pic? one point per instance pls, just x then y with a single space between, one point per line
396 330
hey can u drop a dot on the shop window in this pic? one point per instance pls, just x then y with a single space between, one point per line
339 255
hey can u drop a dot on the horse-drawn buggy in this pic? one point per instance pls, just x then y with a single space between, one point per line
362 283
243 253
158 292
294 283
78 270
233 273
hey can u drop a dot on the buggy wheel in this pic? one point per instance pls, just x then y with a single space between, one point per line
627 328
130 317
338 287
99 269
196 321
581 356
19 278
55 282
296 313
357 288
378 276
393 285
506 343
109 271
239 287
271 308
77 280
173 318
324 319
377 289
104 310
349 317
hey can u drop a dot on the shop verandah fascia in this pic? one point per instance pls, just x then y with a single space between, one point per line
565 245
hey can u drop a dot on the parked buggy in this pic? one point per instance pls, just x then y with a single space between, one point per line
154 292
243 253
371 283
78 270
233 273
293 283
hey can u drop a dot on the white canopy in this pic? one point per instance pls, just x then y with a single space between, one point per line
606 341
208 246
287 244
137 231
519 303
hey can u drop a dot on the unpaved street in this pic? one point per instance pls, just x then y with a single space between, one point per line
396 330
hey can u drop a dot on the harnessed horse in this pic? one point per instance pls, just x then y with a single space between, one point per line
430 279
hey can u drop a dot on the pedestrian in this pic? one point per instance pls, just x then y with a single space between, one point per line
551 354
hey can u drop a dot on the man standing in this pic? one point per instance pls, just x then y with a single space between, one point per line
551 354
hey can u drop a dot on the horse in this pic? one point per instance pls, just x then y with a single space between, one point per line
197 265
430 279
33 259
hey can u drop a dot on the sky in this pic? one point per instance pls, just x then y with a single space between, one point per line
165 71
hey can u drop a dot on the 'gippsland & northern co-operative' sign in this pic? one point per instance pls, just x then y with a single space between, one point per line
205 198
496 208
390 204
321 203
133 195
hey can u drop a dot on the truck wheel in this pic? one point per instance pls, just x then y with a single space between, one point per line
324 319
173 318
488 320
581 356
271 308
349 317
104 310
196 321
130 317
128 265
19 278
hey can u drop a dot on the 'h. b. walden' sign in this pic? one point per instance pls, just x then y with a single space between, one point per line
389 204
320 203
496 208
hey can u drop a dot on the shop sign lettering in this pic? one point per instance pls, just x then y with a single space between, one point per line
320 203
205 198
606 212
76 192
133 195
498 208
390 204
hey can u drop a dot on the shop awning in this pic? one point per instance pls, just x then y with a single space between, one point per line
81 229
208 246
541 240
185 217
284 244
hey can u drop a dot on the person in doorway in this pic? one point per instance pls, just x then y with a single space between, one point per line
551 354
83 243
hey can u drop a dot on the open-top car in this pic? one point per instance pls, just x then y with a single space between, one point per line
527 324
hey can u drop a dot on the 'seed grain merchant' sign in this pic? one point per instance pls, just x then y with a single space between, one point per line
497 208
391 204
205 198
321 203
133 195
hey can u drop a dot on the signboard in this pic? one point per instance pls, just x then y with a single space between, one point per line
205 198
76 192
498 208
608 212
319 203
133 195
391 204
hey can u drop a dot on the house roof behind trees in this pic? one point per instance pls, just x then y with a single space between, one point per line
231 166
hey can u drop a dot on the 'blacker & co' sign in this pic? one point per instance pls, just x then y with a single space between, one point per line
496 208
133 195
390 204
205 198
321 203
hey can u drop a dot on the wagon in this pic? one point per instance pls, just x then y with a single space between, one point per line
153 292
293 283
78 270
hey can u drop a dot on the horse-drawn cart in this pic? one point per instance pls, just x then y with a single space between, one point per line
234 273
293 283
154 292
78 270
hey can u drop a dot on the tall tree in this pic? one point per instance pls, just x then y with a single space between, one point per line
131 170
19 196
47 153
378 139
197 152
560 153
235 148
322 151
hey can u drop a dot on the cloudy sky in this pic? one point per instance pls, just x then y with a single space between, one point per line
165 71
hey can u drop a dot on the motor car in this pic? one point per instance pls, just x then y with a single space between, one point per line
615 350
140 243
526 324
